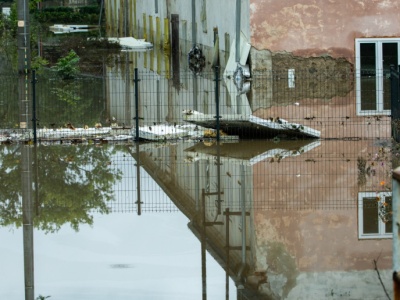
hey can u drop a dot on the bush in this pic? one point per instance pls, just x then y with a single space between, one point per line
67 67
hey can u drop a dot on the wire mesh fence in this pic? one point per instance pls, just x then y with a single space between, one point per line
9 101
171 177
279 103
270 165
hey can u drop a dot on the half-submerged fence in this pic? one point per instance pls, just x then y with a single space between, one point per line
279 175
144 104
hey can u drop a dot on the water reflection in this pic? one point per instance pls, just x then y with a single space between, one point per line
305 214
59 174
281 219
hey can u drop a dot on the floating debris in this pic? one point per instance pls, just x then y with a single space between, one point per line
130 43
63 29
246 126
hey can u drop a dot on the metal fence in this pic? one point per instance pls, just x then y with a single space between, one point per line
183 176
353 155
160 104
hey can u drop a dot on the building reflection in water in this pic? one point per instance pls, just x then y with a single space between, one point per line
285 218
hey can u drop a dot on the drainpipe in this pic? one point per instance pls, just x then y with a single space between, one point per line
243 205
194 42
238 17
194 32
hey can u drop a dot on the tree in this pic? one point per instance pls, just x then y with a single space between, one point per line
71 183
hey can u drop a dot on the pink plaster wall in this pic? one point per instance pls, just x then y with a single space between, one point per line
316 27
324 238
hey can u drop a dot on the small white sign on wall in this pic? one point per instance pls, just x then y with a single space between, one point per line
291 78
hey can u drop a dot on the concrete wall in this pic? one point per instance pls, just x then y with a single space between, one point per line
209 14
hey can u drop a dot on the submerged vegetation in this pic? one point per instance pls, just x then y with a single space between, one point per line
80 15
91 51
94 53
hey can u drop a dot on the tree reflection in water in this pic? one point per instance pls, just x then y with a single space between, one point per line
70 182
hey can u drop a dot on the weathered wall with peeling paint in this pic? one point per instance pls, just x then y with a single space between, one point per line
284 36
303 28
306 223
316 38
320 27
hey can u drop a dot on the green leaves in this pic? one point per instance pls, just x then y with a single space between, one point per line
38 63
67 95
72 183
67 67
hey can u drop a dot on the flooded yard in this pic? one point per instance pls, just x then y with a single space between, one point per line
185 171
121 256
262 219
251 216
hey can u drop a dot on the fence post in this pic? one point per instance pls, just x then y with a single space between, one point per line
136 81
34 120
217 100
138 193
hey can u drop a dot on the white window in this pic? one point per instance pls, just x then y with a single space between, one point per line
374 215
373 60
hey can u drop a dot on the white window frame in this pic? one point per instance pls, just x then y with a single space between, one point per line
382 226
379 74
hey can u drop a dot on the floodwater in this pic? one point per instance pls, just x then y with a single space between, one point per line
194 219
264 219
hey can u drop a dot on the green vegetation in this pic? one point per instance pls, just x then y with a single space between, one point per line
67 15
77 59
38 63
79 101
71 184
8 33
93 53
67 67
